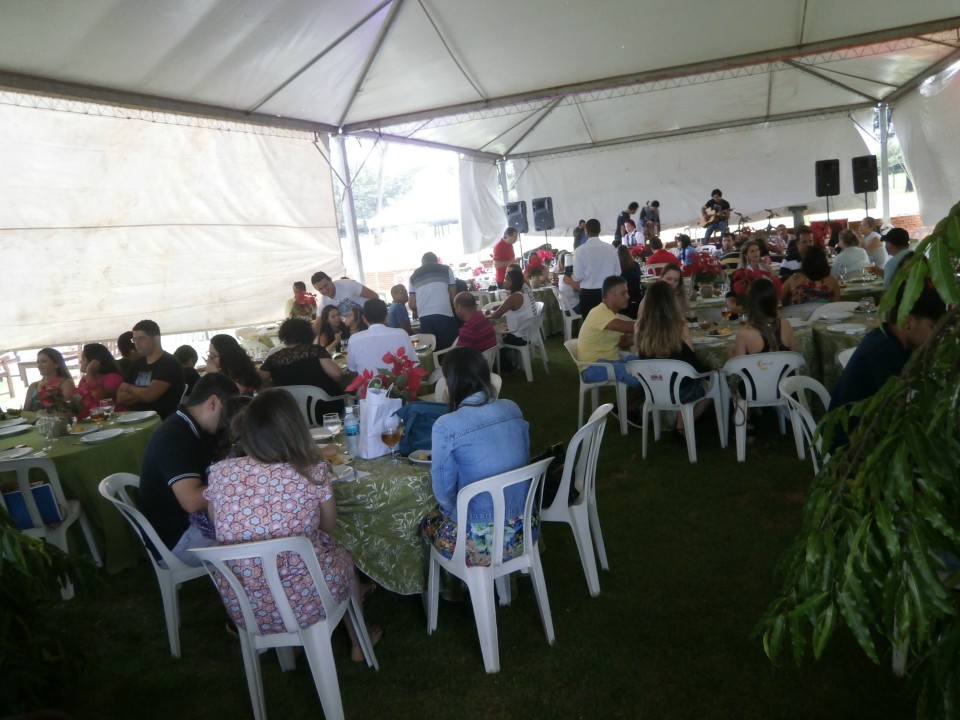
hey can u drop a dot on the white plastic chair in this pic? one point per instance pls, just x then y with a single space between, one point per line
580 469
70 510
480 579
530 330
843 357
425 340
844 306
661 380
171 572
573 347
255 349
538 307
315 639
794 389
491 306
247 333
310 399
760 377
651 271
569 316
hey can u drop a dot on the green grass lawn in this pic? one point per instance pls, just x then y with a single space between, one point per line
692 550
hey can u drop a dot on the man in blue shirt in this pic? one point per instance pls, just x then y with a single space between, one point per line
397 315
897 243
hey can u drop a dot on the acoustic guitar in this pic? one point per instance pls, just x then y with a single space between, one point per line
712 216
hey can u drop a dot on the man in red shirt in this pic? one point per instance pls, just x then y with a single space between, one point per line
477 331
659 254
503 253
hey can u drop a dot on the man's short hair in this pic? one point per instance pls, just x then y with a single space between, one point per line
655 203
716 191
397 289
374 311
209 385
185 354
611 282
511 230
804 230
656 243
300 285
898 237
593 227
633 206
125 343
318 276
148 327
428 257
929 305
465 300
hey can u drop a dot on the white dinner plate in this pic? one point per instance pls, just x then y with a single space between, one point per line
797 323
14 430
15 453
706 340
135 417
101 436
12 422
344 472
85 429
712 301
344 459
852 328
420 457
834 317
320 433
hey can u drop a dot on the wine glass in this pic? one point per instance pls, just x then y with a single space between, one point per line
390 433
106 408
46 429
96 414
727 314
332 423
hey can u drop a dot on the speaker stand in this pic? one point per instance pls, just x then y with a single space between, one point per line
828 208
866 206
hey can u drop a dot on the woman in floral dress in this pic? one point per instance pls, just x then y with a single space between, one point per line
54 391
281 489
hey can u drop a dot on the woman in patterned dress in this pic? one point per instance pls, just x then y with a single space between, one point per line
281 489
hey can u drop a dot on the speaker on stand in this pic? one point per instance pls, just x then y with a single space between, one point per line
828 180
543 213
865 177
517 215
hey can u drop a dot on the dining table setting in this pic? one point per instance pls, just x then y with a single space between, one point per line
83 456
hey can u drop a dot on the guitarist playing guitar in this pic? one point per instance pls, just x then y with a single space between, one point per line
714 214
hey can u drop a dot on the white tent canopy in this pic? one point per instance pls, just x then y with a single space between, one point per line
536 81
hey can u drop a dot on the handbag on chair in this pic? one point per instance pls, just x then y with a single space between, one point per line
418 419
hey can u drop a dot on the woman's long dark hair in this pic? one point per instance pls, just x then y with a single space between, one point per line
762 302
234 361
516 280
815 265
466 373
273 430
58 360
96 351
326 329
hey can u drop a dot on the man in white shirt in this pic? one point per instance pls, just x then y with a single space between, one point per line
368 347
432 290
345 293
593 262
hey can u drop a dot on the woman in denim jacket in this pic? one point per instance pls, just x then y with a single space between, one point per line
479 438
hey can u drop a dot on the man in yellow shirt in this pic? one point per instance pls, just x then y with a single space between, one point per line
605 336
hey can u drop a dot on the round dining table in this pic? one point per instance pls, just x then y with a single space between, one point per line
379 509
82 464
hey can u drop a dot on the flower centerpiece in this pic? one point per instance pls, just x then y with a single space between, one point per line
705 270
536 266
402 379
52 401
636 252
304 305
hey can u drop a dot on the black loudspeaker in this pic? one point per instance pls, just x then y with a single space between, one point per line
517 215
865 174
543 213
828 178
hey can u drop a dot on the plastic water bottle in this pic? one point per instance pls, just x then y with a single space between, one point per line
351 428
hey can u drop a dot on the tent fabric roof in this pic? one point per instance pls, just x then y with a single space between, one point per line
491 79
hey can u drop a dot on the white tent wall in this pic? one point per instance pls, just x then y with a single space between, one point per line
769 166
108 219
929 131
481 215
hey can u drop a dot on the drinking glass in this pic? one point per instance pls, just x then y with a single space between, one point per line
333 424
96 415
390 433
867 305
106 407
46 429
727 314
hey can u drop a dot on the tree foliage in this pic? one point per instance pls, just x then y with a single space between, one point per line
879 547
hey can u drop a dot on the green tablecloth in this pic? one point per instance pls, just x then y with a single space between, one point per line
856 291
553 318
378 520
82 466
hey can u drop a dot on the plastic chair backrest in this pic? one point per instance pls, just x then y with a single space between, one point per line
219 563
440 390
114 489
798 385
655 269
309 398
834 307
580 461
529 329
573 347
490 355
800 413
255 349
538 307
661 380
843 357
23 467
761 373
426 340
247 333
495 487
